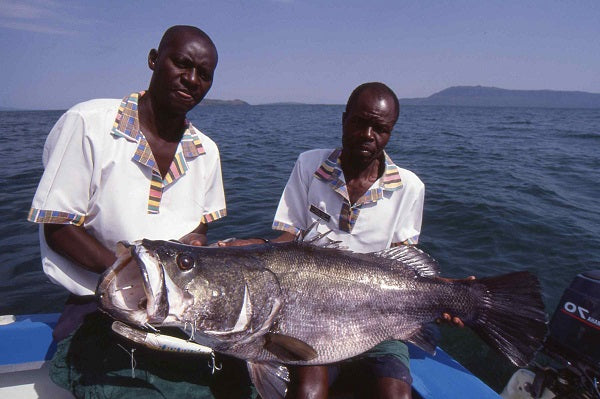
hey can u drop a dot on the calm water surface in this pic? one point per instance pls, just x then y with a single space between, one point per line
507 189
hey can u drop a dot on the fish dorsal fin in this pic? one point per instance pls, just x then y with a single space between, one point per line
408 258
288 348
426 337
413 258
269 379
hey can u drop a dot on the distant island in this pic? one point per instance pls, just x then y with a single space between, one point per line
465 96
480 96
205 102
287 103
209 101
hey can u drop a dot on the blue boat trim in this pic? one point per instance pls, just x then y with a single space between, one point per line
440 376
27 343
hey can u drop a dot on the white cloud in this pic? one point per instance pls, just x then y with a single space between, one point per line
26 9
34 27
41 16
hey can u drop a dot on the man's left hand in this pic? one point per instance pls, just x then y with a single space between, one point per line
241 242
196 239
447 317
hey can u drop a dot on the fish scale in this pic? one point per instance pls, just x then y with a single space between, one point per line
376 313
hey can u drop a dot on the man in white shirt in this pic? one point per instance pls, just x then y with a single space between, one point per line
369 204
126 170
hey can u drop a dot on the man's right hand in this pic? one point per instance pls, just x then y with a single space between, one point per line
241 242
234 242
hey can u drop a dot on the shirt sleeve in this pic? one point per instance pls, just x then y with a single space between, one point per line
291 215
215 207
408 227
63 193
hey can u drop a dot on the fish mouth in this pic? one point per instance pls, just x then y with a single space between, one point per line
136 288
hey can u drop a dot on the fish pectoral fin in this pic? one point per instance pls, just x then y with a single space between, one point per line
269 379
426 337
289 348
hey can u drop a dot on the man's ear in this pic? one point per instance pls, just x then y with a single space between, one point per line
152 57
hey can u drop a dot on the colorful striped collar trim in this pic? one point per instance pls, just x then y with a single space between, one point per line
127 125
331 170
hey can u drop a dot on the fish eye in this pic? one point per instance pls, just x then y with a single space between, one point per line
185 261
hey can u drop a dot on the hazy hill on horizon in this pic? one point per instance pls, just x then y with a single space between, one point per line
212 101
481 96
465 96
205 102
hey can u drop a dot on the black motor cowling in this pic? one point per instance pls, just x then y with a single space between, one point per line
568 365
575 326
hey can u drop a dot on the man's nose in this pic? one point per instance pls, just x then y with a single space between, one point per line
191 76
367 132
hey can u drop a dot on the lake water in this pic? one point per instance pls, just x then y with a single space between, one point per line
507 189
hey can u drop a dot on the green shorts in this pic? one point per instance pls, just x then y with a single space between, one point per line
389 359
94 362
394 348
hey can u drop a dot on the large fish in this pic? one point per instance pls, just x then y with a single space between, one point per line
298 304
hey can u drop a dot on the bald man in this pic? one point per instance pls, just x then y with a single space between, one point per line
369 204
126 170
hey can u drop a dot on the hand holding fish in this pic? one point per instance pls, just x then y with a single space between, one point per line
447 317
196 237
197 240
235 242
241 242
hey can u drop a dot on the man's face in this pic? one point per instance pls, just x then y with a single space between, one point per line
367 125
183 72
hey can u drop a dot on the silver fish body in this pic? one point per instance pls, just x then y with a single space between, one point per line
295 303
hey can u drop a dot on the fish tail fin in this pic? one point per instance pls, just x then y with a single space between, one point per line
511 315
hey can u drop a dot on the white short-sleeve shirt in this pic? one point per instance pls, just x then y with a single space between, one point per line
99 172
390 212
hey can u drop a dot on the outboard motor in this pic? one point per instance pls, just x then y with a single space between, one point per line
568 365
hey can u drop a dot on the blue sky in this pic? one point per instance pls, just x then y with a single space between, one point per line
56 53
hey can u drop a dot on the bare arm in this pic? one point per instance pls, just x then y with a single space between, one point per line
75 243
197 236
284 237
